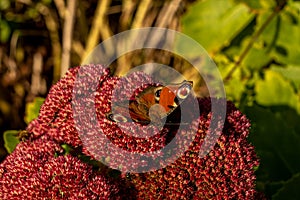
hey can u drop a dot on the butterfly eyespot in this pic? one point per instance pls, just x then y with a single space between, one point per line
183 91
157 94
117 118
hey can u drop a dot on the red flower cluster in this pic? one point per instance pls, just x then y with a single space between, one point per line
55 117
35 170
227 172
74 113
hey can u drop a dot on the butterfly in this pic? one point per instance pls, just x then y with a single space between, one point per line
152 104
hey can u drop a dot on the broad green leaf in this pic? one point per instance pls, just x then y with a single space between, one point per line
252 4
276 140
282 35
259 4
11 140
290 189
291 73
274 90
213 24
32 109
268 3
257 57
295 4
269 188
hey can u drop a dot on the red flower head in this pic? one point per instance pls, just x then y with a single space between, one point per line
33 171
75 113
227 172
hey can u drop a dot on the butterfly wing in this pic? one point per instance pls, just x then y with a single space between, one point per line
152 104
173 95
127 111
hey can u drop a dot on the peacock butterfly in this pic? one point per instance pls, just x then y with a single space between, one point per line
152 104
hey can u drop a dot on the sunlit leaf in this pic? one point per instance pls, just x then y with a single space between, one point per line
252 4
268 3
282 35
257 58
213 24
10 140
67 148
32 109
274 90
291 73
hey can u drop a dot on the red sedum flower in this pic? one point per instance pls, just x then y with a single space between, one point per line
75 114
227 172
33 171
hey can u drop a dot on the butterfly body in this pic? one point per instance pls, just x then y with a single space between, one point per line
152 104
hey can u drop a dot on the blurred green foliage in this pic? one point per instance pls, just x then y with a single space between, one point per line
256 45
32 109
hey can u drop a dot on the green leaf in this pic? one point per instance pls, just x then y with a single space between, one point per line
290 190
260 4
282 35
257 57
4 31
268 3
272 187
290 72
67 148
274 90
235 87
252 4
213 24
11 140
32 109
276 137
